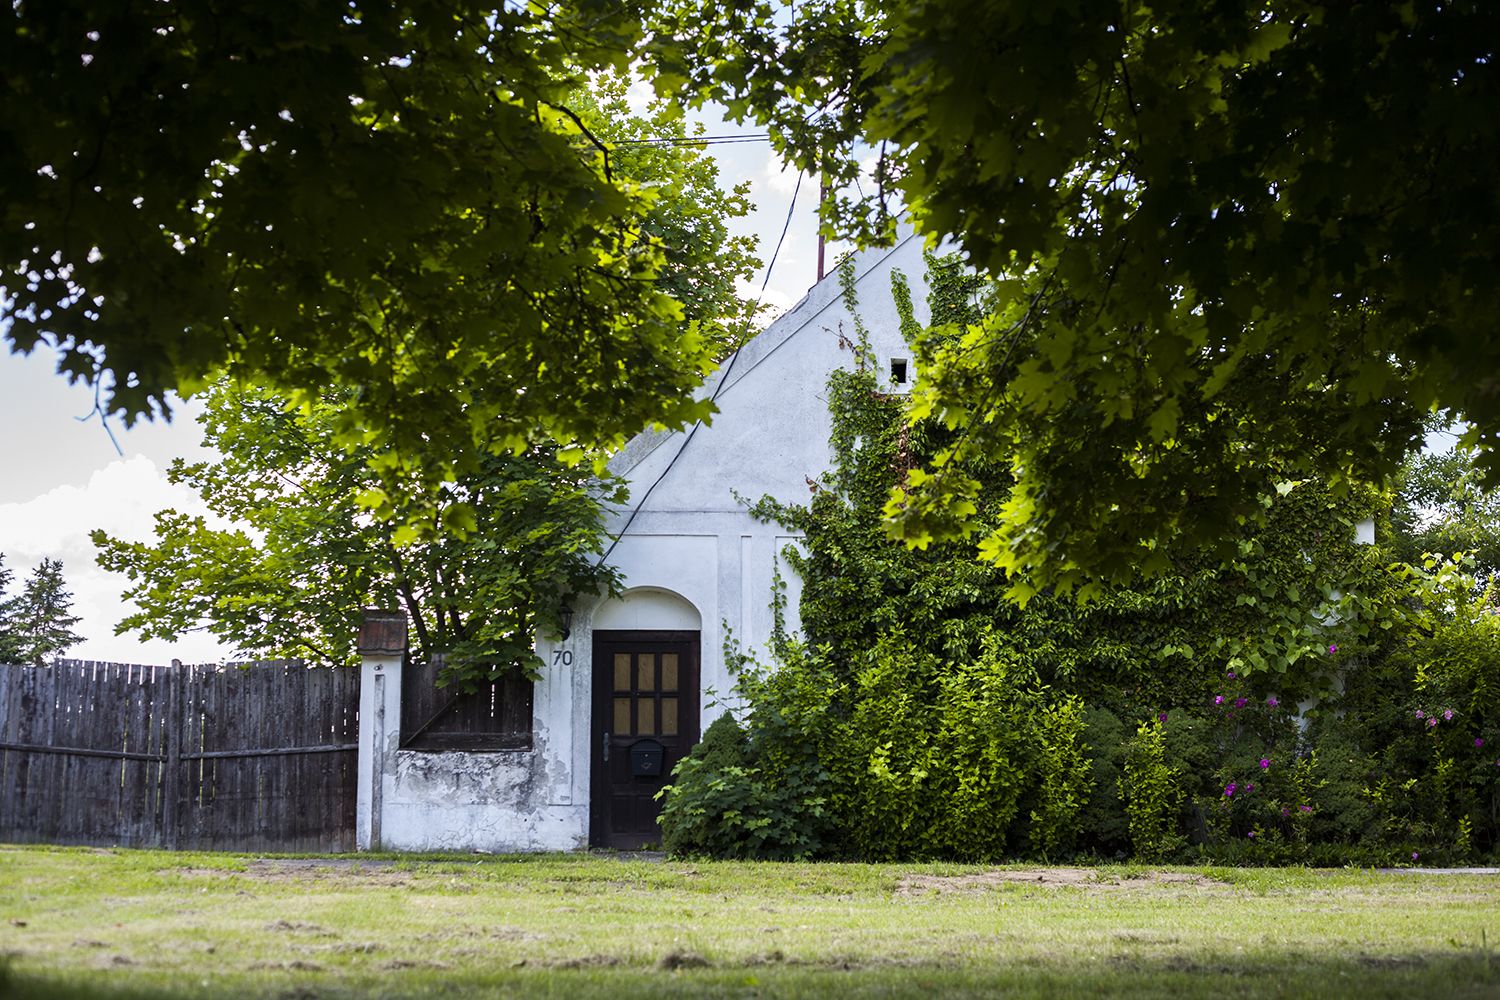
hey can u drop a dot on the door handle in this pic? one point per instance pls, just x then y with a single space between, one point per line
604 746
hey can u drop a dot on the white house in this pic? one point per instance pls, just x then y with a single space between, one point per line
631 688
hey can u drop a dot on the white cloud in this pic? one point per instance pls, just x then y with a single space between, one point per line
120 498
777 177
776 299
639 96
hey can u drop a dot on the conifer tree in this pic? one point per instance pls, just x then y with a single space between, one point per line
8 646
38 625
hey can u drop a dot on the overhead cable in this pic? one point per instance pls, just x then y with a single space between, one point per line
723 381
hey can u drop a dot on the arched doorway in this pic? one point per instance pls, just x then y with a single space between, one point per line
646 668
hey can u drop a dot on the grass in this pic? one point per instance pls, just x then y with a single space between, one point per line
125 924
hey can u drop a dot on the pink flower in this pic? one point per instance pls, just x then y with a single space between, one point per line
1333 647
1271 702
1420 714
1241 702
1218 699
1432 722
1478 741
1229 790
1250 787
1448 715
1162 717
1265 762
1230 674
1415 855
1251 834
1306 809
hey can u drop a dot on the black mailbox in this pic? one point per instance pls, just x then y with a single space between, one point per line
646 758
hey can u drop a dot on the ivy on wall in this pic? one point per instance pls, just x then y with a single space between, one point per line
925 712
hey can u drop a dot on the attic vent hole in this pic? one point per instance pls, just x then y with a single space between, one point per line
898 371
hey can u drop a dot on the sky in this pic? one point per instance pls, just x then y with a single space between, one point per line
61 476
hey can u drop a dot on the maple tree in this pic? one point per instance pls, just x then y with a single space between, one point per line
1224 239
402 199
291 555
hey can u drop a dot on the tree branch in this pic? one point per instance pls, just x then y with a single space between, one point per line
588 134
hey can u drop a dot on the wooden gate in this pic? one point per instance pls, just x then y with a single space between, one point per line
256 758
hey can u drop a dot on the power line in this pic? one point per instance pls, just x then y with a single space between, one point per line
781 239
694 140
723 381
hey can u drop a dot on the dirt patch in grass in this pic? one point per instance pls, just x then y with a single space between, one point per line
913 884
295 965
849 962
677 959
584 962
332 872
300 927
397 964
354 947
1130 936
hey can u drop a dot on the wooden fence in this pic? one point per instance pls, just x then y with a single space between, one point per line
260 758
496 716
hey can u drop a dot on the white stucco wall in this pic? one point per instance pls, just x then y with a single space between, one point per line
504 800
769 437
691 558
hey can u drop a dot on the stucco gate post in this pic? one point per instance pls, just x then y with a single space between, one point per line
382 650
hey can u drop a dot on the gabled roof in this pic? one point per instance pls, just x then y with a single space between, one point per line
759 348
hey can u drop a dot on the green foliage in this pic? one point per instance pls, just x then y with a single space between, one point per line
36 625
1241 770
1212 259
1433 723
720 804
1066 778
951 723
1441 507
409 202
688 217
936 755
1103 823
293 554
1149 787
8 651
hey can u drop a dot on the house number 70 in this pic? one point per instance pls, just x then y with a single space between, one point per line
563 656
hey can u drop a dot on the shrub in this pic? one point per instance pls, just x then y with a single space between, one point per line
1066 774
1103 826
928 715
720 804
1149 787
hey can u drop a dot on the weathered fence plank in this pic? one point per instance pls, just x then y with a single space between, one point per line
210 757
170 734
140 780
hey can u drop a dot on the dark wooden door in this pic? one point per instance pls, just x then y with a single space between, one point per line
645 693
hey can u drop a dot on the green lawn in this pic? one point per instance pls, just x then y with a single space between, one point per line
116 924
